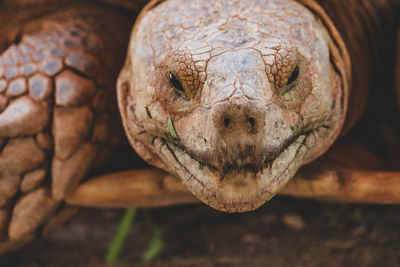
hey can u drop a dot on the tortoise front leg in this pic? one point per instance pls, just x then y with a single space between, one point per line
58 115
348 173
133 188
155 188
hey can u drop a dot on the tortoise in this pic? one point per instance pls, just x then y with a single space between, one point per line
228 99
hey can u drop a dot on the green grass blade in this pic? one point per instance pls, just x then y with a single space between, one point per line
119 239
154 248
155 244
171 128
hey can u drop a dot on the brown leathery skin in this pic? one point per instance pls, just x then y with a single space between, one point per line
58 115
234 65
365 25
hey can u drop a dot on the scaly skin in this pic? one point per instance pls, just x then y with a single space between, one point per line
58 117
58 63
246 123
254 89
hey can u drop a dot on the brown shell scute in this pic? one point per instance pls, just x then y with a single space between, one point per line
56 89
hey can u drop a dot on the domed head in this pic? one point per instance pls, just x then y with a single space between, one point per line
234 96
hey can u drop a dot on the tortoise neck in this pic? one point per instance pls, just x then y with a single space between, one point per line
365 26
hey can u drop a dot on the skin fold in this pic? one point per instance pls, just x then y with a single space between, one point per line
252 93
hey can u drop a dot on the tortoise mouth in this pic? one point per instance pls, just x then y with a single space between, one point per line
265 162
237 189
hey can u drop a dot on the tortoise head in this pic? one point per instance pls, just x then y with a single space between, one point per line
232 97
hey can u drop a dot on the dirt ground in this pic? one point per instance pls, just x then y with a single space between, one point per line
284 232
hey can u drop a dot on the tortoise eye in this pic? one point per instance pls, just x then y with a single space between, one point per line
176 83
293 76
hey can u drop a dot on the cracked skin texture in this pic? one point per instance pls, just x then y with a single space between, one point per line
255 81
261 91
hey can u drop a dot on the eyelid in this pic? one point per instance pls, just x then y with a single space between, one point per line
177 84
291 81
293 76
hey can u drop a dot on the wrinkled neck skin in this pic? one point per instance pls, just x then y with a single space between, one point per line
373 23
233 97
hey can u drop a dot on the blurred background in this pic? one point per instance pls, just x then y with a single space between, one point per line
284 232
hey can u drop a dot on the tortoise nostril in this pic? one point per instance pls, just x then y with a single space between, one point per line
238 117
252 122
226 122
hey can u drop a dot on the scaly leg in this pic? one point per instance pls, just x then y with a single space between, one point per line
58 115
348 173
